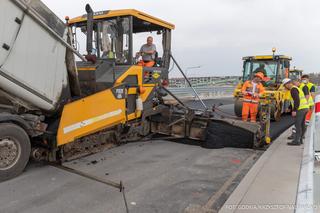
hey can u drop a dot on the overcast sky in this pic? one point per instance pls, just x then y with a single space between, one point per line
215 34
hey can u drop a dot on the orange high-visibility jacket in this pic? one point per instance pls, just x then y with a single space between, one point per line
248 87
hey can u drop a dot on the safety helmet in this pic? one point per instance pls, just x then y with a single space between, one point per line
286 80
259 75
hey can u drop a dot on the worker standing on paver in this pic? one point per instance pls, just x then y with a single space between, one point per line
252 90
312 90
148 53
299 110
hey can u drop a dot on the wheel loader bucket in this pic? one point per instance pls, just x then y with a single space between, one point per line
232 133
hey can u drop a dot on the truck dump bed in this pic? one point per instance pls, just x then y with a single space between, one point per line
33 70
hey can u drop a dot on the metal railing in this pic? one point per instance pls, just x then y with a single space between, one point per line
304 200
204 92
317 127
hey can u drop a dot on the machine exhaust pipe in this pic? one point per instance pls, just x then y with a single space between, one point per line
89 28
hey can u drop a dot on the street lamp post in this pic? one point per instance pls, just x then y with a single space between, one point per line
186 72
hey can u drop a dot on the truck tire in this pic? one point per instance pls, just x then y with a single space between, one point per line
15 150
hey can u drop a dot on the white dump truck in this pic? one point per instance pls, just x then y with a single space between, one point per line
33 72
34 81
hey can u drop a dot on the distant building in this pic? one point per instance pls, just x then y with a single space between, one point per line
315 78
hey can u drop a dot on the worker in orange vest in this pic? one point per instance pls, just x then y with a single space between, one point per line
252 90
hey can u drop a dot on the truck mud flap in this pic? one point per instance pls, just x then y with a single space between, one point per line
232 133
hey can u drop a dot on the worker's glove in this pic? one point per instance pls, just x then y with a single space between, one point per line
294 113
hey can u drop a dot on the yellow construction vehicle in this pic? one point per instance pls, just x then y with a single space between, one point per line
275 68
55 108
115 90
295 73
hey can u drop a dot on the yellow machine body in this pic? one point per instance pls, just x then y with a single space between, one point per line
295 73
101 110
125 12
113 88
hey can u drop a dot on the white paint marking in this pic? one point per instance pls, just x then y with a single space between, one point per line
87 122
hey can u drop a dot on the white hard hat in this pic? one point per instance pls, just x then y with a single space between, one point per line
286 80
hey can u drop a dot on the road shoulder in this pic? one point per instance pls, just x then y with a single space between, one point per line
271 183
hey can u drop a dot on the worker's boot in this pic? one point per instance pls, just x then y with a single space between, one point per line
291 137
293 143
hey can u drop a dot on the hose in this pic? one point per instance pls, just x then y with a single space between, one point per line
94 178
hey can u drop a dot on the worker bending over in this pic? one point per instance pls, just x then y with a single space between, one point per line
252 90
299 110
312 90
148 53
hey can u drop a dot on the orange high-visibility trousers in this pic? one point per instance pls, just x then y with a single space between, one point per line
146 63
251 108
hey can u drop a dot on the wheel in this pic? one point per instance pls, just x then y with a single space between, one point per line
276 112
15 150
238 107
145 128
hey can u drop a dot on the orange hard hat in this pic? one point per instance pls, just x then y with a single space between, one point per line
259 75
